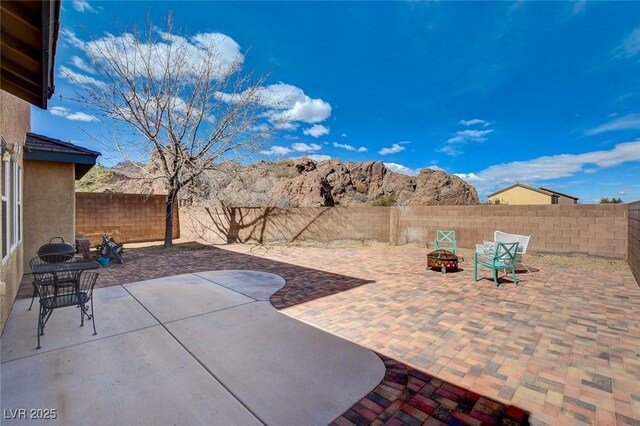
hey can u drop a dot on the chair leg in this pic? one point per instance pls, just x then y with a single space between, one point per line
39 326
495 277
93 318
475 267
513 273
33 296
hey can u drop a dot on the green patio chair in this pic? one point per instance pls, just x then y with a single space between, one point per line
503 259
446 240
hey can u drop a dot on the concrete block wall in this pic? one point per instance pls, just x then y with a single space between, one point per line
593 229
128 217
599 230
265 224
634 239
605 230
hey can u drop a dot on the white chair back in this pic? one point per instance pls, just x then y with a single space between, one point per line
522 240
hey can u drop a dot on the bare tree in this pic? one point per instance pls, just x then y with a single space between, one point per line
187 100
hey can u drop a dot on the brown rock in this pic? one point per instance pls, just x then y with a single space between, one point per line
307 183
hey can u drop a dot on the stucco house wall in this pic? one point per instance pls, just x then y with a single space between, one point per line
565 200
15 122
521 196
49 198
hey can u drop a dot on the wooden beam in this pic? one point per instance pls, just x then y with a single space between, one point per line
20 11
20 74
9 86
19 48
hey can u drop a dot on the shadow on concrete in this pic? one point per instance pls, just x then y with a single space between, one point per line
302 284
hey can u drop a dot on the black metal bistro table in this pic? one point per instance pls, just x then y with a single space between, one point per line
64 268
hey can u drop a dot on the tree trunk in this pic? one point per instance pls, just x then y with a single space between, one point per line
168 224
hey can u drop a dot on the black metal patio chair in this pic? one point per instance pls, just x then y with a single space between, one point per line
45 259
53 296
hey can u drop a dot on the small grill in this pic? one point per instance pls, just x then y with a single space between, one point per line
52 249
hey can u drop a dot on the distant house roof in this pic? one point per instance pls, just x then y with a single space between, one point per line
522 185
43 148
558 193
541 190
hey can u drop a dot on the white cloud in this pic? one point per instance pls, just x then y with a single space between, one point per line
296 147
59 111
399 168
81 116
287 103
349 147
464 136
82 65
552 167
190 55
80 79
471 178
318 157
451 150
83 6
73 116
452 146
290 103
395 148
630 46
303 147
316 130
626 122
277 150
473 122
69 37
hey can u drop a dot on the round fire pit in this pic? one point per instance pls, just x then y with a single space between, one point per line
439 258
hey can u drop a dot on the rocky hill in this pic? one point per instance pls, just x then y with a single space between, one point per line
298 183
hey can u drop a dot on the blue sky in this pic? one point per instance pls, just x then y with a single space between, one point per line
544 93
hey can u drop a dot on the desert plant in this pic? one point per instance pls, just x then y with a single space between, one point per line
384 200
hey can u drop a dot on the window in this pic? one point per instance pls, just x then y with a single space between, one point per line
11 205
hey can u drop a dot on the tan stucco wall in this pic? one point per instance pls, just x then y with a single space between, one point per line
565 200
15 122
49 204
521 196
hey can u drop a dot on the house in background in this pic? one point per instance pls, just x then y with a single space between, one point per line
521 194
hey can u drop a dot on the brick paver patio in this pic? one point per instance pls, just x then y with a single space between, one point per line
564 345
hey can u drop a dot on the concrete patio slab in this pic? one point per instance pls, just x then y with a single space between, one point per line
254 284
182 296
284 371
116 313
218 357
141 377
